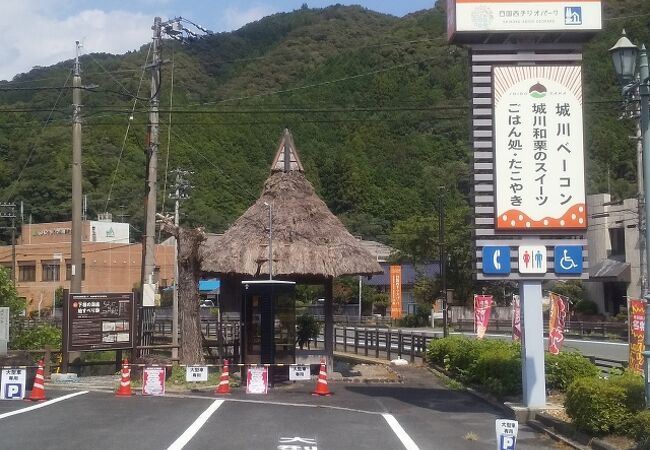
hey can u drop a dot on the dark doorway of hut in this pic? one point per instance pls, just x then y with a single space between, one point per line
269 323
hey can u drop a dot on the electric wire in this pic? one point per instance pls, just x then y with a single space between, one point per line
126 133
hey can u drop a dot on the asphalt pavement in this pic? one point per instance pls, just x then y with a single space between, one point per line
419 413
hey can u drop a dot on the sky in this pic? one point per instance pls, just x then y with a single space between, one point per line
43 32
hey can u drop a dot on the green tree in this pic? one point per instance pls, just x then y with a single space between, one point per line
9 297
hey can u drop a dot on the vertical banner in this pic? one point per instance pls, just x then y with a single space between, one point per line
556 322
636 311
516 318
395 292
482 311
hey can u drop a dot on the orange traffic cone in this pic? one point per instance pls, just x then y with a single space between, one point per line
125 382
321 383
224 382
38 390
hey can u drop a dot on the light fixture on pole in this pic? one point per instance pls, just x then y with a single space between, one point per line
270 206
625 56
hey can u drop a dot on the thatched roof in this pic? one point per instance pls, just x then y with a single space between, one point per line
307 239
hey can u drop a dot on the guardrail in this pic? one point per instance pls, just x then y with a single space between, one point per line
617 330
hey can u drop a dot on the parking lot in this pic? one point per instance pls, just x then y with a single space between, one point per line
356 416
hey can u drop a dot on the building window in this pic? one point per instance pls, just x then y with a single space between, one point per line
617 239
51 270
68 270
27 272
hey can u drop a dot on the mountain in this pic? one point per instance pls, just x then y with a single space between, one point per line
378 106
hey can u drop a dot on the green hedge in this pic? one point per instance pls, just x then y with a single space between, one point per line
604 406
563 369
640 428
495 366
36 338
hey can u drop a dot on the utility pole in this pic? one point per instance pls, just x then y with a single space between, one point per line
11 214
443 259
148 282
180 193
75 250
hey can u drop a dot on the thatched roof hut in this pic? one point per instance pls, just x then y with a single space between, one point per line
307 239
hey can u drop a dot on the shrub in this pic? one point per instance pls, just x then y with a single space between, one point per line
563 369
640 428
37 337
586 307
599 406
498 370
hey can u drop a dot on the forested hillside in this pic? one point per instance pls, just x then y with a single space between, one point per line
378 106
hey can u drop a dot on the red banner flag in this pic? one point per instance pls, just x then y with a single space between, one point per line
556 323
482 311
636 312
516 318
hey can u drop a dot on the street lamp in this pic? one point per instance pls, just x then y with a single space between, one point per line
624 55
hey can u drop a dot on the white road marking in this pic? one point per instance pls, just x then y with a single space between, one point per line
41 405
184 438
399 431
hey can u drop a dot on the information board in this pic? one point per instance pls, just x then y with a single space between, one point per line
100 321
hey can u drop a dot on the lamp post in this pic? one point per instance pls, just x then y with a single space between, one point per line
625 56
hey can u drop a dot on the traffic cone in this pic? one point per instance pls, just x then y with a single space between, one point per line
38 390
321 383
224 382
125 382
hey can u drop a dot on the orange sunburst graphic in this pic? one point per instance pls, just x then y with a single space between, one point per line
574 218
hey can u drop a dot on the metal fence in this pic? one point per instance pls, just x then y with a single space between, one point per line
382 343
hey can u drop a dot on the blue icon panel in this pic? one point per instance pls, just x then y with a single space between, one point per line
568 259
496 260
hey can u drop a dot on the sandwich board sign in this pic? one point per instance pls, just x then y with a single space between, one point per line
12 383
153 381
257 380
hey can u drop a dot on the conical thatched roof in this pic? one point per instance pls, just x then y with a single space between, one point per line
307 239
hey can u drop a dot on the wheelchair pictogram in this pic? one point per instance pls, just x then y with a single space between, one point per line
566 262
568 259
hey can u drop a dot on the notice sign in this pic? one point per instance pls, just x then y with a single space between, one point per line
12 384
153 381
299 372
506 434
196 373
257 380
538 151
636 311
100 321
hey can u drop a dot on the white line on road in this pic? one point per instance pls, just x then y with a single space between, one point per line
41 405
399 431
195 427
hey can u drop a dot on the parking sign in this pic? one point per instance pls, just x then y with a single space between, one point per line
12 384
506 434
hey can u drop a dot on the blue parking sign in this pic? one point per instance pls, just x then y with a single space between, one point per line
567 259
496 259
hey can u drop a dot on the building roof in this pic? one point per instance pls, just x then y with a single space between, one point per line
610 270
307 239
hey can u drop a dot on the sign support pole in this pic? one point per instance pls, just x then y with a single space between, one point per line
532 344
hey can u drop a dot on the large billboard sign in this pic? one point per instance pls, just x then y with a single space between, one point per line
100 321
538 157
494 16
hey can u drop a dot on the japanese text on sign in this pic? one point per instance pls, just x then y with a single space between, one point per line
539 161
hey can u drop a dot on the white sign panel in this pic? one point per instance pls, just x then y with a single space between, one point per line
4 323
12 384
116 232
538 151
506 434
532 259
299 372
196 373
527 15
